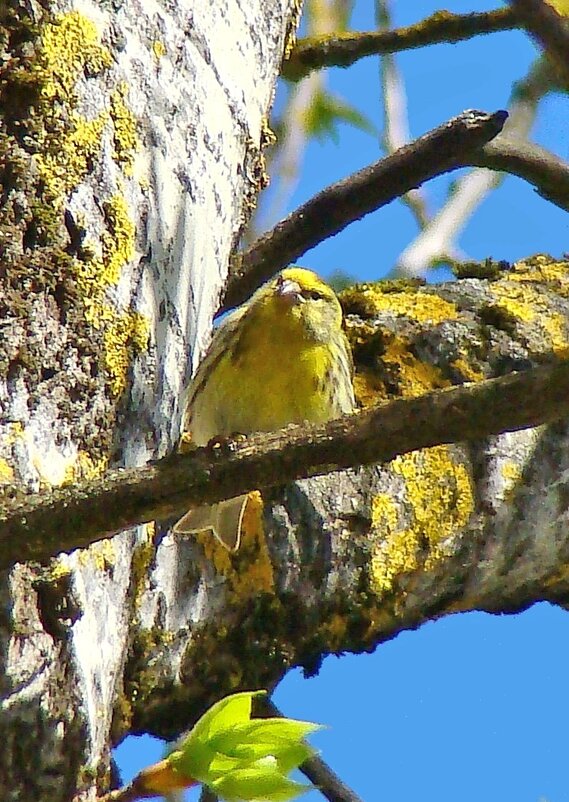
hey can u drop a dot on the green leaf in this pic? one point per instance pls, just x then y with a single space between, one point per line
231 710
293 756
258 784
327 110
198 756
193 760
263 730
287 755
241 758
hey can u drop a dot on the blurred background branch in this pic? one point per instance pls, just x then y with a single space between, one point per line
343 49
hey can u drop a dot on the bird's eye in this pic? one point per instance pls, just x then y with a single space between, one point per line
312 295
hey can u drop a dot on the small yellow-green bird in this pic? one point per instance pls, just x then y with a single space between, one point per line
280 358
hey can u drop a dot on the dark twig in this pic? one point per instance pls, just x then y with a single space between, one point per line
207 795
317 770
128 793
547 172
35 527
443 149
345 49
549 27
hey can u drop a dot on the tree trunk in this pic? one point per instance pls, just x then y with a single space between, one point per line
130 147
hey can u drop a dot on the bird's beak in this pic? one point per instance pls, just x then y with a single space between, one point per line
289 291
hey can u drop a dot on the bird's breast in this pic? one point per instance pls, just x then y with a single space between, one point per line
262 390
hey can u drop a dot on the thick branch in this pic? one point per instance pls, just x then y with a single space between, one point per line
549 27
379 185
345 49
443 149
547 172
70 517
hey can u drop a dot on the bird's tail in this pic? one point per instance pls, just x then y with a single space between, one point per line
224 519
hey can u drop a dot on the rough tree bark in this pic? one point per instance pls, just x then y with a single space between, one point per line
130 156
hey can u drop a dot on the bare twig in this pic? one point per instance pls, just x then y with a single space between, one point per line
445 148
548 27
327 781
207 795
547 172
345 49
128 793
70 517
317 770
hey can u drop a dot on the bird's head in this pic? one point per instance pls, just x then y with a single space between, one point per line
306 301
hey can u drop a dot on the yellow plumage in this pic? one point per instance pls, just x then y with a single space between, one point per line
280 358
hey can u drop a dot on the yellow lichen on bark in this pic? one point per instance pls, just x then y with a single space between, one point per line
70 45
64 167
465 369
527 304
118 240
125 135
414 376
541 268
6 472
101 554
413 532
159 49
511 475
423 307
395 366
125 333
84 467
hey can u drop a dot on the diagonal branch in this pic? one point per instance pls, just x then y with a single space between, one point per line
550 28
70 517
345 49
443 149
378 185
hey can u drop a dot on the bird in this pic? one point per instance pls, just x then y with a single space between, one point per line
280 358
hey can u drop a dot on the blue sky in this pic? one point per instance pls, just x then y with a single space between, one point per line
472 708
